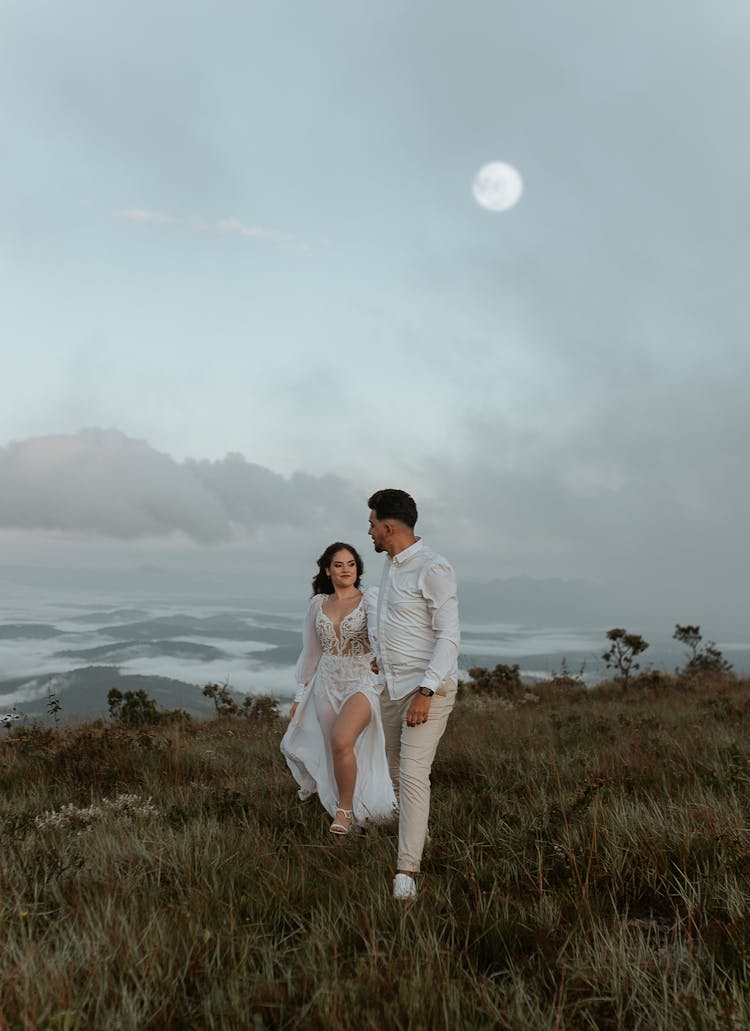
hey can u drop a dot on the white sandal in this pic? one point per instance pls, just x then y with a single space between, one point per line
342 828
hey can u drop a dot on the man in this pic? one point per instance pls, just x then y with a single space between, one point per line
417 655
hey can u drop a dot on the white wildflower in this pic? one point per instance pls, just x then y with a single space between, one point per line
72 817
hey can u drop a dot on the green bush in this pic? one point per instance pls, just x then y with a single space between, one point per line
136 709
253 707
704 661
501 682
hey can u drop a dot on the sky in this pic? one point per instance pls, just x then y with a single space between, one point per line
244 283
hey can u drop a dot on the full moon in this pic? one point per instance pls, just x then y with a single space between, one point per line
497 186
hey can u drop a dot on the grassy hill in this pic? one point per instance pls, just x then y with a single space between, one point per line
589 868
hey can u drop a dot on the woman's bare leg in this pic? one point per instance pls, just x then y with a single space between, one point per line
354 716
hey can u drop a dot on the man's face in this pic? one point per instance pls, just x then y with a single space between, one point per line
378 531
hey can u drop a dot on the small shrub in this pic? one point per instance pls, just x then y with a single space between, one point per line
262 708
702 661
136 709
54 705
622 653
259 708
654 680
501 682
565 680
223 699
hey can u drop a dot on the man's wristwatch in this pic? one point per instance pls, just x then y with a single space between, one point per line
426 691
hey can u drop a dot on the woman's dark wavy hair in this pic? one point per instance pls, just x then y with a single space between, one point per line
322 583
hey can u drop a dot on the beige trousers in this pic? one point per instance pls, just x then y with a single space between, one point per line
411 751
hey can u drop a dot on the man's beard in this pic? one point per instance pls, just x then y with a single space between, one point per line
377 547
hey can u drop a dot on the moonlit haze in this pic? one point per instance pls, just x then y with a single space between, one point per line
246 282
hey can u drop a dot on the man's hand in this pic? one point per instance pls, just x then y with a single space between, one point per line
419 710
292 710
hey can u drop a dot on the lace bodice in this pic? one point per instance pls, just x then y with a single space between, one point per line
351 638
355 637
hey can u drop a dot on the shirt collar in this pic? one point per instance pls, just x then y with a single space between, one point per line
407 553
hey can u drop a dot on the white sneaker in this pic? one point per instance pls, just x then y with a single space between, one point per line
404 887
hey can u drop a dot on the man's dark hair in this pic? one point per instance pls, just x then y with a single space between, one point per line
394 504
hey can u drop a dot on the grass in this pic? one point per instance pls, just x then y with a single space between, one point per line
588 869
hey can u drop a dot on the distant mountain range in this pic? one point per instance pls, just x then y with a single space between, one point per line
198 649
170 648
550 602
83 692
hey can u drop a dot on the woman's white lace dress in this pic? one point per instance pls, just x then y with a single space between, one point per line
331 668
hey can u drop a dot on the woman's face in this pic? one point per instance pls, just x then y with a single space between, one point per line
342 570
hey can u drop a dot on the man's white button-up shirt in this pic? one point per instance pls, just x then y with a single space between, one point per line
417 624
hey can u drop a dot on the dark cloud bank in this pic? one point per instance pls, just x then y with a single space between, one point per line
102 482
599 526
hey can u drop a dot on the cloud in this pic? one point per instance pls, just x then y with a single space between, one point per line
148 217
656 498
648 485
221 227
102 482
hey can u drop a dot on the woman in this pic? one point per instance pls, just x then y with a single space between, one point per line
334 743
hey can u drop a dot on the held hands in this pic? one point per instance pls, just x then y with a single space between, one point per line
374 666
419 710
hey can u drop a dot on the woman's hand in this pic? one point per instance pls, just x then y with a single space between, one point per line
292 710
374 666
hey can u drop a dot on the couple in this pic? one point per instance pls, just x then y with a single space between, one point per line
355 734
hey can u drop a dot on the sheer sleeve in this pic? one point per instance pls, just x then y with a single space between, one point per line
370 597
309 657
